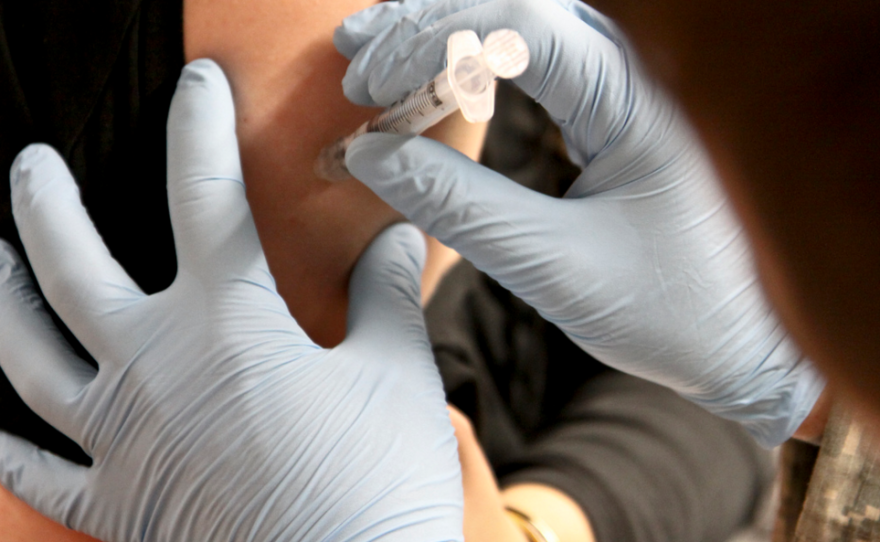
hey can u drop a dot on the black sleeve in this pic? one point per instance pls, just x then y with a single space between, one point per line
646 465
643 463
94 79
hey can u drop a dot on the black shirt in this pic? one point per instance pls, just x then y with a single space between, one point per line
643 463
94 79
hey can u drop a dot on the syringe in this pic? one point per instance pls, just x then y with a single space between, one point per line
468 83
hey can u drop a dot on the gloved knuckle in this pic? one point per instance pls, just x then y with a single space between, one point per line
519 11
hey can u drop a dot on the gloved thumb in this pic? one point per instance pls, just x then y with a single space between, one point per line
385 291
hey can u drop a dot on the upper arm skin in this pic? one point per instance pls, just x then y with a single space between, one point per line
286 80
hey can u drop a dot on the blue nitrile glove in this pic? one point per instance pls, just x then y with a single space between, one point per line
212 416
642 263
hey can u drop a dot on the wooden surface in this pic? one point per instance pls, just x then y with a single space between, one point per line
843 499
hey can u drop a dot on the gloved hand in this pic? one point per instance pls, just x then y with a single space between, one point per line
212 416
642 263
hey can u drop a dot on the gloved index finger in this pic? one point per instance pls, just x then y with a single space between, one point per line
484 216
214 232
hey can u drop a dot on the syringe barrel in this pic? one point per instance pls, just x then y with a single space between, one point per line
418 111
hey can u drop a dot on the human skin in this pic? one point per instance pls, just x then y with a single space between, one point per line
785 97
289 104
286 75
484 517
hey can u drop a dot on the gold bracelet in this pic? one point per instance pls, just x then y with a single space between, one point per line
534 529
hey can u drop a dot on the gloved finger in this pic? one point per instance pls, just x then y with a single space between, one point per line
79 277
394 35
482 215
385 291
51 485
214 231
356 30
577 70
36 358
565 38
